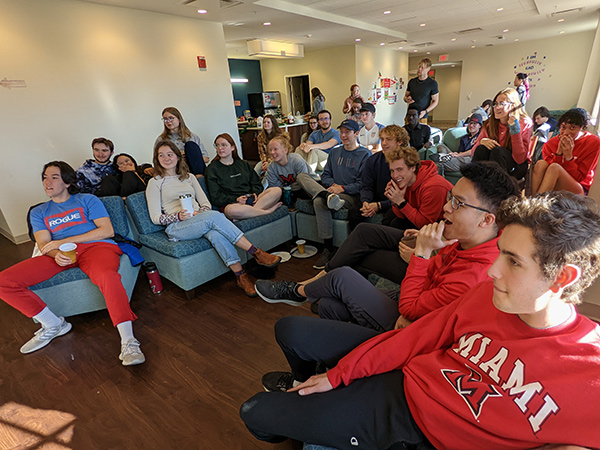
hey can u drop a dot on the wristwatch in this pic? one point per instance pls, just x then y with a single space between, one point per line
402 205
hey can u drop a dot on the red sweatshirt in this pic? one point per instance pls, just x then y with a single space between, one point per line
432 283
477 378
519 142
585 157
426 197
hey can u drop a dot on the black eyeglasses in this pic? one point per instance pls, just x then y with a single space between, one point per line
456 203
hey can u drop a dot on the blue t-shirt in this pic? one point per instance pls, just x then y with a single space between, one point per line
318 137
71 218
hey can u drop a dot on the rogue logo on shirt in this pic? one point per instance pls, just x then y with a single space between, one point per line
66 219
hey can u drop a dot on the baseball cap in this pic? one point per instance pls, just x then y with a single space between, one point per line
370 107
477 118
350 125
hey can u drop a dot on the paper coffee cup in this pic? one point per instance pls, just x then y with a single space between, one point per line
301 246
186 204
69 249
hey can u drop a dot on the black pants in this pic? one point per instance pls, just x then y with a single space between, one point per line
370 413
346 296
372 248
504 159
194 158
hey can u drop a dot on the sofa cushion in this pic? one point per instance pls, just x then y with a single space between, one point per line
255 222
160 242
306 206
138 208
452 137
65 276
116 211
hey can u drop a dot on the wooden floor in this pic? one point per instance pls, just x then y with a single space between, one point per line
204 358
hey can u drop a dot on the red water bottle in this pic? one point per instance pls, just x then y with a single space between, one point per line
153 277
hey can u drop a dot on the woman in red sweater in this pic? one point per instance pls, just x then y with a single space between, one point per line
569 159
505 135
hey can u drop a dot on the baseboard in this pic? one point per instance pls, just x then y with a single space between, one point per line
15 239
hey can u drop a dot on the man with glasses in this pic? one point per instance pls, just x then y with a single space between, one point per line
467 243
91 173
325 138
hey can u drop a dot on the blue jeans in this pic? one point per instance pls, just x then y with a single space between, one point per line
215 227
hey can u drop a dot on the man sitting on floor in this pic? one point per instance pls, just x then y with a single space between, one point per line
81 219
93 171
339 185
509 365
467 243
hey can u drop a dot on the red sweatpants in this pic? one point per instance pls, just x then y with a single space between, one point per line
99 260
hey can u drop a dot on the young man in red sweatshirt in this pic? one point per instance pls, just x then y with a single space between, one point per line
467 243
509 365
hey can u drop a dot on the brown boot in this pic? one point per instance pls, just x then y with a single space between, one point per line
266 259
244 282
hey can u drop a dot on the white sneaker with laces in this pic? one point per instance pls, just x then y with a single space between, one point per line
131 354
43 336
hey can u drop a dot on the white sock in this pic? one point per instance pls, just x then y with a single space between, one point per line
47 318
125 331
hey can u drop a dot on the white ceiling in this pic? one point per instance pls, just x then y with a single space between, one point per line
320 24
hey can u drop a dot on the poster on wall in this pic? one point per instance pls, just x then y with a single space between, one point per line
534 66
385 90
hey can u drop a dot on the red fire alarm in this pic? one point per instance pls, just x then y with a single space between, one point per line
201 62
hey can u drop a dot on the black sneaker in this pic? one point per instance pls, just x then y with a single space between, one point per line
323 259
277 381
279 292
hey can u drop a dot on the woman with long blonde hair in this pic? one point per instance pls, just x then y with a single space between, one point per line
506 134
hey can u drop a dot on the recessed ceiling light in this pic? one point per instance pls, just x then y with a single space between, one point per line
400 48
472 46
500 9
415 51
516 40
560 20
357 39
387 12
453 65
266 24
561 32
453 39
422 25
429 53
505 31
383 43
202 11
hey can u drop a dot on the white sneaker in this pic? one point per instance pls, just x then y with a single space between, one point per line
43 336
131 354
335 202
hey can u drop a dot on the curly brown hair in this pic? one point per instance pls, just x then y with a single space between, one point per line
566 230
408 154
397 133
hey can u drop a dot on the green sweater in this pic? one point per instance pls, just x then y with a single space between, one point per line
226 183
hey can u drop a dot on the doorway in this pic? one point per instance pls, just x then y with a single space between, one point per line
298 88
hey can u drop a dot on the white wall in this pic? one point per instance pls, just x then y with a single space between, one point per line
369 63
94 70
487 70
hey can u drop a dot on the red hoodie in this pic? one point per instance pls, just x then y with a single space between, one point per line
432 283
425 199
477 378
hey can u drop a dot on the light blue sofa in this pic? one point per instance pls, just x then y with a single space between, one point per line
306 223
71 292
189 264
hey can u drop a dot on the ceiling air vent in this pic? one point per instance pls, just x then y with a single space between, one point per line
469 30
566 11
424 44
226 4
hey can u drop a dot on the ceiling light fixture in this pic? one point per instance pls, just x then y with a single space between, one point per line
560 20
505 31
268 48
383 43
472 46
516 40
400 48
415 51
561 32
266 24
202 11
357 39
422 25
453 39
387 12
238 80
500 9
429 53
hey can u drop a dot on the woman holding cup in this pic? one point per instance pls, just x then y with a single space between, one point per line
235 187
191 217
